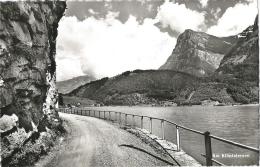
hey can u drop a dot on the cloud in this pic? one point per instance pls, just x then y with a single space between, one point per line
107 47
179 18
204 3
235 19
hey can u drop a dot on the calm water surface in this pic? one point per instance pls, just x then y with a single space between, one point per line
236 123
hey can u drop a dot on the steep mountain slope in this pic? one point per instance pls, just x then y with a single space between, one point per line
71 84
242 60
198 53
240 67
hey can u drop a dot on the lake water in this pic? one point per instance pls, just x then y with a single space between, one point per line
236 123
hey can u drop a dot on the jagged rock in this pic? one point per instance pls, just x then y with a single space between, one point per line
28 32
198 53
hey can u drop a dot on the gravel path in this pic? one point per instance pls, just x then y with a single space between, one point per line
94 142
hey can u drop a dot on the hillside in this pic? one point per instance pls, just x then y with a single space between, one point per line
71 84
152 87
198 53
138 87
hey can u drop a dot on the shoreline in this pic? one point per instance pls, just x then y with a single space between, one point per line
231 105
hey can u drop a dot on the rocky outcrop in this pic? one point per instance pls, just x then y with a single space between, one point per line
198 53
242 60
28 32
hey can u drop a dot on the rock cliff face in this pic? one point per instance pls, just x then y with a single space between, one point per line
242 60
198 53
28 33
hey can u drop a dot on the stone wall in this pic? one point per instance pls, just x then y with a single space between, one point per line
28 32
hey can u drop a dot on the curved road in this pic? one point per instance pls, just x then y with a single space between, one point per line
94 142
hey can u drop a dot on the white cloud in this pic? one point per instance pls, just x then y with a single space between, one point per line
179 18
107 47
204 3
235 19
91 11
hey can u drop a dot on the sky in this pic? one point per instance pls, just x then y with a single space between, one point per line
106 38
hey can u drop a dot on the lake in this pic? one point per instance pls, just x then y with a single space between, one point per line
236 123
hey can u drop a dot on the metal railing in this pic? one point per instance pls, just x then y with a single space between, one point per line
118 118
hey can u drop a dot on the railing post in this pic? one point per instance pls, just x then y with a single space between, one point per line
142 122
162 127
81 111
133 119
178 138
151 126
120 118
125 119
109 116
208 148
98 114
104 115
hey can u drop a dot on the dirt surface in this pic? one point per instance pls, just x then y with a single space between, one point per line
94 142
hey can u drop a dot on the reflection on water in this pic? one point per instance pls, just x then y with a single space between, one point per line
236 123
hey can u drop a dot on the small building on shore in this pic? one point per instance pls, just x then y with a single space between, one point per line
209 102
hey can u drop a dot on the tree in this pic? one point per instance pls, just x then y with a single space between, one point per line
60 100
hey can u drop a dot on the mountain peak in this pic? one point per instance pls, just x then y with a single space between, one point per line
198 53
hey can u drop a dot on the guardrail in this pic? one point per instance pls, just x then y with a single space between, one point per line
118 117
